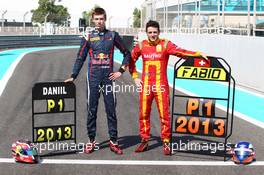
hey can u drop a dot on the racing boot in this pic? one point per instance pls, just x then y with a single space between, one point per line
115 148
143 146
166 148
90 147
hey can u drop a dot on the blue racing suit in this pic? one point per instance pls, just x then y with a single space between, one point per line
100 46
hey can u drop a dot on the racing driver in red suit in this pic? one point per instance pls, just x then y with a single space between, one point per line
155 54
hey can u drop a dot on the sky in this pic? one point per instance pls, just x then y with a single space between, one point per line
120 10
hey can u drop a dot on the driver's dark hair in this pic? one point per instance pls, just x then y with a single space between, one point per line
151 23
99 11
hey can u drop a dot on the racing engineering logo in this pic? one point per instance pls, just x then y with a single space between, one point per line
158 48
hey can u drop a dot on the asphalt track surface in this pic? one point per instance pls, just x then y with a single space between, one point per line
55 65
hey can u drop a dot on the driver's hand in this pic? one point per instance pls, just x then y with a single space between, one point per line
114 75
69 80
138 82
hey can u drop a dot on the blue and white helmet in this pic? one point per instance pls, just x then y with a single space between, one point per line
243 153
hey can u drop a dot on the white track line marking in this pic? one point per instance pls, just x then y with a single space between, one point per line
12 67
236 113
9 72
239 87
243 116
135 162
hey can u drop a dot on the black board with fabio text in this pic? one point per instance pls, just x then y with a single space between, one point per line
200 119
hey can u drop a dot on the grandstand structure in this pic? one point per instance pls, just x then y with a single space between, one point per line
238 17
173 14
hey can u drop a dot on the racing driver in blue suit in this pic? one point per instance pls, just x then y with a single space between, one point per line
100 45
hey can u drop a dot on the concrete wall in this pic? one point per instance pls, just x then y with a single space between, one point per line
8 42
244 54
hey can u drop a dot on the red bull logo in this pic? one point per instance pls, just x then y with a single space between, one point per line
102 56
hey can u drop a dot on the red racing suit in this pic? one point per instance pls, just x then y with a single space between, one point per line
155 83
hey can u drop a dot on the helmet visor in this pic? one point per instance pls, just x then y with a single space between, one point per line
32 152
